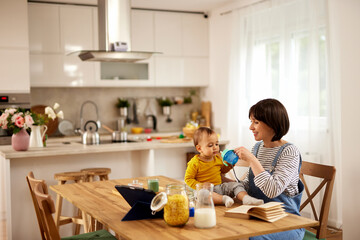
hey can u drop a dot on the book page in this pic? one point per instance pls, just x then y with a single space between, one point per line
245 208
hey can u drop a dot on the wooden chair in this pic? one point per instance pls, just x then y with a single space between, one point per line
47 208
91 173
31 183
81 218
327 173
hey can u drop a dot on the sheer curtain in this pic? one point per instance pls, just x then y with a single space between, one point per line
280 50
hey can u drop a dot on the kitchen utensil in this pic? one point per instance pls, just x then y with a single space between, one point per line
66 128
116 136
151 122
167 112
107 128
206 112
90 136
52 125
135 120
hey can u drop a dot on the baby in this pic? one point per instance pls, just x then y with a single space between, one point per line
207 166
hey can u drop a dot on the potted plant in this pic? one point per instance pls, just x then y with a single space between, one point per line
123 105
165 104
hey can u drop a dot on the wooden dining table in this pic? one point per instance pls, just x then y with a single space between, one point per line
100 201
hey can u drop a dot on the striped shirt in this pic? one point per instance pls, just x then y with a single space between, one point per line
285 177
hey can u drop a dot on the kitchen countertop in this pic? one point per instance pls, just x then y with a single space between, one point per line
73 146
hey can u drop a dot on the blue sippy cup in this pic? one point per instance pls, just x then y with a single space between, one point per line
229 156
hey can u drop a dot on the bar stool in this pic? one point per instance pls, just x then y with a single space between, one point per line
80 219
91 174
101 173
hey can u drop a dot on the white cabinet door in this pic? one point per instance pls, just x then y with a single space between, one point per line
169 71
196 71
146 81
14 71
57 70
195 35
44 28
55 31
168 33
183 40
14 47
76 28
13 24
142 31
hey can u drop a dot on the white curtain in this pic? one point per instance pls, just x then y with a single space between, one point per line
280 50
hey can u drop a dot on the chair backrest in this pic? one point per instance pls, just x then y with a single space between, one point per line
327 174
47 208
31 183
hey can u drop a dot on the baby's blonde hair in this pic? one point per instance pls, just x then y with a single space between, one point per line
198 134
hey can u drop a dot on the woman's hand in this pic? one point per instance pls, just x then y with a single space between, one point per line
245 155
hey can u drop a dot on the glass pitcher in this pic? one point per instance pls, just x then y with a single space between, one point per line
205 215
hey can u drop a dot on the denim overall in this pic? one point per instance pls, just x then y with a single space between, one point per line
291 204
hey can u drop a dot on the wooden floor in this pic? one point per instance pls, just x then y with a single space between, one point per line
332 233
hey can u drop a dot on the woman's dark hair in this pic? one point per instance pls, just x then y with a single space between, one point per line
199 133
272 113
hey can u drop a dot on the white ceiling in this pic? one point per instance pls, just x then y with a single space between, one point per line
181 5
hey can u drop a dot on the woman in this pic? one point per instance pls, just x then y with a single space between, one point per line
274 163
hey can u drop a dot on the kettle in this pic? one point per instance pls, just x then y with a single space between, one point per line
89 136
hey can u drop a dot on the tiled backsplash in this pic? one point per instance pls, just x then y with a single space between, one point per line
71 99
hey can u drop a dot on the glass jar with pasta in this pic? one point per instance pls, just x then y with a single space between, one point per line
175 203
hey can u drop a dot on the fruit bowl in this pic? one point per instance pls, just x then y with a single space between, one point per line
189 132
137 130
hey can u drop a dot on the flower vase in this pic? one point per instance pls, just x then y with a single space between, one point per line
37 135
20 141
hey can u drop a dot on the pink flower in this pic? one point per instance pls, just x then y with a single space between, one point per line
28 120
10 111
19 121
15 116
3 120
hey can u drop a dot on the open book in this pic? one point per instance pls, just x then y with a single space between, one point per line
270 211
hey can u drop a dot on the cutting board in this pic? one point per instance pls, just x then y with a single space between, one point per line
176 140
206 112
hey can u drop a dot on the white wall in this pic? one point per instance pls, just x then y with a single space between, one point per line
219 51
345 30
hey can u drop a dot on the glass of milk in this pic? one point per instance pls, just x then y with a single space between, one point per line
205 216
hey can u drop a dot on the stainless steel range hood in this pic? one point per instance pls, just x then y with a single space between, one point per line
114 28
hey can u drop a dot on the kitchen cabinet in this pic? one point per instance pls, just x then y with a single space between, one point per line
14 47
115 74
183 40
13 24
168 33
142 31
55 31
195 35
44 28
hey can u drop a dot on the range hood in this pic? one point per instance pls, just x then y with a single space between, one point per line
114 30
